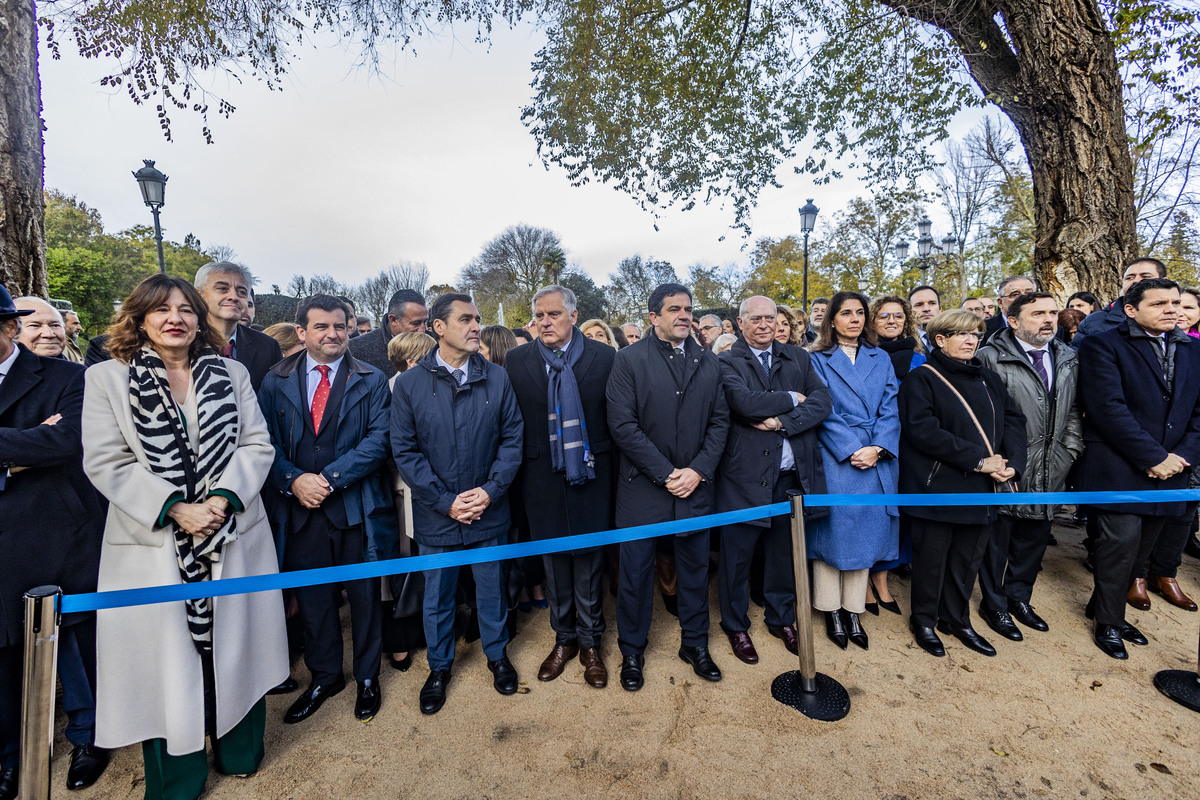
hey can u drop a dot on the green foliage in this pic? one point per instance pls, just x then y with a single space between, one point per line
589 298
1182 252
274 307
630 286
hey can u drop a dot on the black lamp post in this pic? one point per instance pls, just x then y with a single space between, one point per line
924 245
153 183
808 221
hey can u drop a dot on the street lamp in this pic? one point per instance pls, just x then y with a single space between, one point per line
808 221
153 183
924 245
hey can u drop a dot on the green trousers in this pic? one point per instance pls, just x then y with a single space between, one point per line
238 752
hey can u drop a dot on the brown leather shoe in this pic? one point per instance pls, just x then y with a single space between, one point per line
788 634
1169 589
743 648
1137 596
594 671
552 667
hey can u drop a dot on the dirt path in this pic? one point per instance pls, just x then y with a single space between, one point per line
1049 717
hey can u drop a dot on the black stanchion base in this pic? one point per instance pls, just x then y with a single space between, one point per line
829 703
1181 685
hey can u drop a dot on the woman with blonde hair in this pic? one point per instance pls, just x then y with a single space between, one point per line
788 328
285 334
598 330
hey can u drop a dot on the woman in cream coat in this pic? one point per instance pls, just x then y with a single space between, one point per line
170 673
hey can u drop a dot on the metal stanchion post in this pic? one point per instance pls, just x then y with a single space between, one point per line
1181 685
811 693
37 696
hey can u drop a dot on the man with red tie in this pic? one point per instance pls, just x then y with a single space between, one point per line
328 417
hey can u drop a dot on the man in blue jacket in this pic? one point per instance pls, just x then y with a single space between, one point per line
1139 387
328 417
457 437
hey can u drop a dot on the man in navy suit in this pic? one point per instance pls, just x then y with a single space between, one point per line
1140 393
328 417
51 525
226 289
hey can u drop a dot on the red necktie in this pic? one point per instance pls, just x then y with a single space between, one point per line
320 397
227 350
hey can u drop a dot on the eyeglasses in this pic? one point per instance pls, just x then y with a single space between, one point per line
898 316
1017 293
710 327
760 320
978 336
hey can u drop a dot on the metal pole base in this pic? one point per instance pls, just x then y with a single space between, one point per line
828 703
1181 685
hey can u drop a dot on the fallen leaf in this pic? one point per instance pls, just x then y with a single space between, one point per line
966 667
1096 685
1161 768
522 690
1047 782
999 752
1140 768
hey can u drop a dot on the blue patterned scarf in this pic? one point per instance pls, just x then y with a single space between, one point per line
569 449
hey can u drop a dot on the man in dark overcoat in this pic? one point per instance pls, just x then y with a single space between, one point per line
1139 388
51 525
668 417
406 312
567 473
776 402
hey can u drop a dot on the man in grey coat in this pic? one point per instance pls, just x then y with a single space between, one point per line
1042 375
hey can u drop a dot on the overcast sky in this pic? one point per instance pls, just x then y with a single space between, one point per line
345 172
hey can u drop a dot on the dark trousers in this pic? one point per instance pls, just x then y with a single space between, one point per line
441 589
1167 554
1012 560
75 648
779 581
238 752
573 590
318 544
945 562
1122 547
635 591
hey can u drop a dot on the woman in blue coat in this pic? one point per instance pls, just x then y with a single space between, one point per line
859 441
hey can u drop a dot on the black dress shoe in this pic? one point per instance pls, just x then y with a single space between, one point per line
369 699
8 783
403 664
701 661
1052 541
671 603
1024 614
1001 622
287 687
743 647
504 675
87 765
969 637
835 628
1132 635
433 693
313 697
873 608
854 629
1108 639
927 640
888 605
632 677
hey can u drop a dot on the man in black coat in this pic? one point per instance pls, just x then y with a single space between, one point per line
668 416
406 312
561 498
1009 289
1140 394
1099 321
225 288
51 525
776 402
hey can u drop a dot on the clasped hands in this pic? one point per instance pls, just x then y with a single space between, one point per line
997 466
470 505
682 482
200 519
311 489
1172 465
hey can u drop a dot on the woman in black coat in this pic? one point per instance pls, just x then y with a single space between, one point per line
942 450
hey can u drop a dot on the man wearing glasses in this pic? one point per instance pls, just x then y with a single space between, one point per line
1009 289
710 329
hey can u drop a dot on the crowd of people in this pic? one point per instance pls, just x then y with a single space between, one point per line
193 447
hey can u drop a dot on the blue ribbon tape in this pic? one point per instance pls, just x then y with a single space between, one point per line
122 598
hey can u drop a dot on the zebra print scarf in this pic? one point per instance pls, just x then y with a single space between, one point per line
162 431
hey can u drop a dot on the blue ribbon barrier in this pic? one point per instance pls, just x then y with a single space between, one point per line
122 598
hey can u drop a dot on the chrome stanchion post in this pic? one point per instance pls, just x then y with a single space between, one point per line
37 695
811 693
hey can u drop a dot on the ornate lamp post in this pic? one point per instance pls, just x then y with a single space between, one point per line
153 183
808 221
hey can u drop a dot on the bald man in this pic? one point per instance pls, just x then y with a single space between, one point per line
43 331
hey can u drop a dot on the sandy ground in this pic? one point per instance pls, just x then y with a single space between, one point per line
1048 717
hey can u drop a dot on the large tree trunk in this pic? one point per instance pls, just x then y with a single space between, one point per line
22 208
1057 80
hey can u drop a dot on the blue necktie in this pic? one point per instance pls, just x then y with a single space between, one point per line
765 357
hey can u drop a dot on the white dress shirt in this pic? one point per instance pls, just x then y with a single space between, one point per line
313 378
789 458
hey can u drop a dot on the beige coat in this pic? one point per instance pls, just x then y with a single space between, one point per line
149 682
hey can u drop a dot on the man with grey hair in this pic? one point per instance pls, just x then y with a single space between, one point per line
568 471
42 330
225 287
710 329
1008 290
